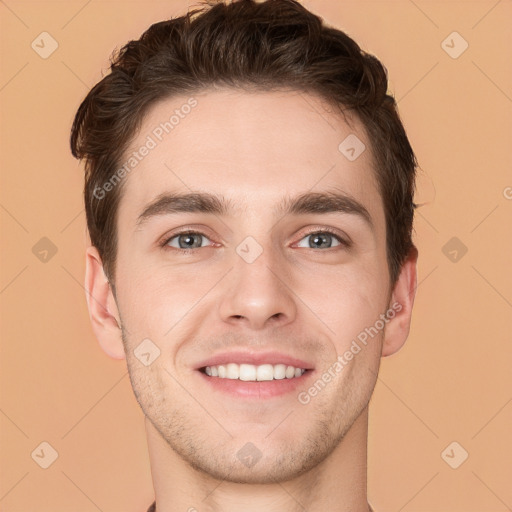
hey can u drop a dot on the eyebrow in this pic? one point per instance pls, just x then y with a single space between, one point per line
203 202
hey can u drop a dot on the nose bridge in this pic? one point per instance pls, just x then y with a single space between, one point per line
256 293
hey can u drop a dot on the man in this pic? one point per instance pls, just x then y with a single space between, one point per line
249 197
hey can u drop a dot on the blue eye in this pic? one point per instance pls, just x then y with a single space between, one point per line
186 241
322 240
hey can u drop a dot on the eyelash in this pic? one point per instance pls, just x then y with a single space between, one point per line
317 231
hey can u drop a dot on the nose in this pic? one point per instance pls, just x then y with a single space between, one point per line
258 295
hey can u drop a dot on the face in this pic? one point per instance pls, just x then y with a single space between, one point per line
278 267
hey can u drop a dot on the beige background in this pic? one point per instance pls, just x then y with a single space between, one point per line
450 382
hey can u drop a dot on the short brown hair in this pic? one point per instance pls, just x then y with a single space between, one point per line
244 44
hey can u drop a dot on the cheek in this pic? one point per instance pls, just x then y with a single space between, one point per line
350 306
353 330
348 299
155 300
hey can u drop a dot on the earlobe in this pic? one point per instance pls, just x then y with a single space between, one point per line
402 301
102 306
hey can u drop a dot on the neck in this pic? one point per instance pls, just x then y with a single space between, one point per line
338 482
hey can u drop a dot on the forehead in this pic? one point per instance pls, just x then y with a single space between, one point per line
250 147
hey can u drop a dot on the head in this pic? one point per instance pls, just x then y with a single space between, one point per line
256 127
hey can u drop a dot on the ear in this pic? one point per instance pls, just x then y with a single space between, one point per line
401 303
102 306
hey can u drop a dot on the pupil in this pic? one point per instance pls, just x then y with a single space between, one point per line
318 239
188 240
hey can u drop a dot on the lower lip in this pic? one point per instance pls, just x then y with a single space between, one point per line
258 389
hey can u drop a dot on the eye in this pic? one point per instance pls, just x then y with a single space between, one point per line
322 239
186 241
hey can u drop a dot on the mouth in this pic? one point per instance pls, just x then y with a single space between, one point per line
253 373
254 376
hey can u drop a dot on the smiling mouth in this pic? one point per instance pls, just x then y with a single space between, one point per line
253 373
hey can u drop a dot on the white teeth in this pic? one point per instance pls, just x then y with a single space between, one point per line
232 371
250 372
247 372
279 371
265 372
290 372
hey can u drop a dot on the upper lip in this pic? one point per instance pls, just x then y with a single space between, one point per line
255 358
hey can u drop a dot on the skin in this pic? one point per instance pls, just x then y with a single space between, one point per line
254 149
